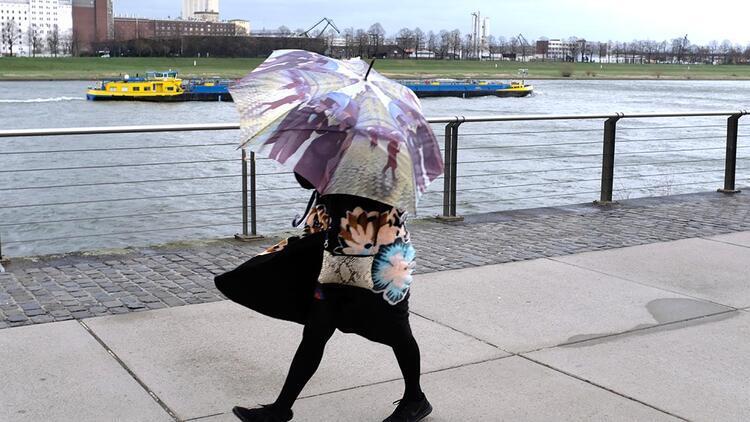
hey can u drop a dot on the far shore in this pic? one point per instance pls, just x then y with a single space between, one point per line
94 68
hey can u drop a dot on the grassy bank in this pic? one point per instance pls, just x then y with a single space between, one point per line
20 68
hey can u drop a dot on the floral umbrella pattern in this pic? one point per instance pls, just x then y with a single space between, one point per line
319 117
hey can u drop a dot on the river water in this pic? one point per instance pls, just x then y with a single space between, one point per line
506 165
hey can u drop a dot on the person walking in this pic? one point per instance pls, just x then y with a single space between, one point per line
367 152
363 288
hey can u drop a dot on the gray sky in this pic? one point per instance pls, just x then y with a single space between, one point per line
598 20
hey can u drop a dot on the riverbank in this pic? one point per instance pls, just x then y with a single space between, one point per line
86 68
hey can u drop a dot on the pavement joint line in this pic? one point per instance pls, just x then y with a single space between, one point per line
642 283
725 242
130 372
435 371
634 330
623 395
198 418
461 332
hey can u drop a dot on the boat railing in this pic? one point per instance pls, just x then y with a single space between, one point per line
492 163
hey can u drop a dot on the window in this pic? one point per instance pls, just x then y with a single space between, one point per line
147 88
170 88
136 88
124 89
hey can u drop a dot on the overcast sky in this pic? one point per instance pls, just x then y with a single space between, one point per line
597 20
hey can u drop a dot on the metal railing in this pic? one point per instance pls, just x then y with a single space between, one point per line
452 149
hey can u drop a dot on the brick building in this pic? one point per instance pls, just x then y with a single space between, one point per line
93 22
136 28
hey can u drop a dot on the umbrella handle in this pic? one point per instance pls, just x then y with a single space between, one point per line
369 69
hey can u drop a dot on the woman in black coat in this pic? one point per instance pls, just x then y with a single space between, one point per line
362 287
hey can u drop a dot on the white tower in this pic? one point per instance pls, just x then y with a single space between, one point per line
193 9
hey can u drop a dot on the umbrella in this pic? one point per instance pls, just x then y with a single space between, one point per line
340 125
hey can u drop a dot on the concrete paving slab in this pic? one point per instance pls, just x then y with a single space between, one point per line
59 372
529 305
510 389
739 239
697 267
205 359
697 370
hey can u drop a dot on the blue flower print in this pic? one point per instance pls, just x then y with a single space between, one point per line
392 270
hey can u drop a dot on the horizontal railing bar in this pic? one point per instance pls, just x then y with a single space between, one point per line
120 165
274 174
664 151
687 138
97 201
462 119
274 204
625 141
533 132
667 127
180 179
520 186
120 233
672 185
530 145
511 118
530 158
276 189
530 197
57 151
107 217
528 172
16 133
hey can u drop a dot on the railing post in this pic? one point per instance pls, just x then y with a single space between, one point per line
730 166
450 171
251 206
454 170
3 260
608 160
447 179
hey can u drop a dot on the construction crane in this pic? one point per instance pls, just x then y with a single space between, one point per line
524 43
329 23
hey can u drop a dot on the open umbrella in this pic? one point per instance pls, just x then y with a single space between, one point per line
340 125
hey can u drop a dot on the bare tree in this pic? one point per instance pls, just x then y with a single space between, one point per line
36 43
284 31
53 40
377 35
432 42
363 42
419 39
445 43
405 40
10 34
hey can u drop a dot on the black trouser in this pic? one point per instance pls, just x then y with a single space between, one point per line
365 313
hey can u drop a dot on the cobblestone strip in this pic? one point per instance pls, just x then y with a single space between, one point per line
46 289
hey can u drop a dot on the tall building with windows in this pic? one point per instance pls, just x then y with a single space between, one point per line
201 10
93 22
36 19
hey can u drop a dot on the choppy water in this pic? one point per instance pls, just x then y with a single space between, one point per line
503 165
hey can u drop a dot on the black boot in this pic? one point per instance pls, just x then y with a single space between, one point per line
410 410
265 413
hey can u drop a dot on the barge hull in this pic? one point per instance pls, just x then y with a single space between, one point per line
194 96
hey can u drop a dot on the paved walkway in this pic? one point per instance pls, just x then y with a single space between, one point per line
656 332
77 286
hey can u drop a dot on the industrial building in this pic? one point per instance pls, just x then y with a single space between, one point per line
200 10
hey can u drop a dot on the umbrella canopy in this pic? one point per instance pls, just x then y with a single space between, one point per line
343 127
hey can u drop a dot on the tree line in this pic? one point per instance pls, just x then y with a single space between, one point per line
53 42
445 44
